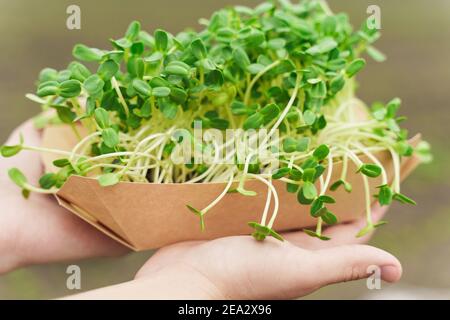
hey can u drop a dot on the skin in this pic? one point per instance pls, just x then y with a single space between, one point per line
39 231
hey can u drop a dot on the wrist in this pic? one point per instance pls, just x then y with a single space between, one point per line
166 284
179 283
11 250
10 257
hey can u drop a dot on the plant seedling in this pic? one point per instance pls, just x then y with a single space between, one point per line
280 67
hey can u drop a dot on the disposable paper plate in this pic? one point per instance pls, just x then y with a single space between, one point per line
146 216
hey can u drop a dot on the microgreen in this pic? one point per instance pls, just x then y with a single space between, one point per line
283 67
10 151
261 232
370 170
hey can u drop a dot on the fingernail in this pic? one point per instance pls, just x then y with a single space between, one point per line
391 273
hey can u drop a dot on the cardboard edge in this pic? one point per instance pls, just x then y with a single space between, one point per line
90 219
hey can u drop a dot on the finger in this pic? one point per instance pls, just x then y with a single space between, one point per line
353 262
341 234
302 273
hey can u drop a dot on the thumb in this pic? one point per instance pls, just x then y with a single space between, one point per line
352 262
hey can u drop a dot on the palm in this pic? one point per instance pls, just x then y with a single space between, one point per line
242 268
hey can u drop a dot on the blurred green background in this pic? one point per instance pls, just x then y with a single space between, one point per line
416 38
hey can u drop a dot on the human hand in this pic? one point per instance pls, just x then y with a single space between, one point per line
38 230
242 268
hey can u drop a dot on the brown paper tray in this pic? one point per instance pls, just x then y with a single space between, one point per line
146 216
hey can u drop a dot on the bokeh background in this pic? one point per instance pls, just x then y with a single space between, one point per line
416 38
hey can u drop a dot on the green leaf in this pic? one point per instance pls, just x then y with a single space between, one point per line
309 174
315 235
64 113
215 79
193 210
199 49
176 70
255 68
276 44
178 95
283 67
161 40
79 72
347 186
309 117
302 199
48 181
85 53
403 199
321 152
337 84
329 218
316 208
142 88
366 230
93 85
326 199
108 69
61 163
70 89
49 88
356 66
102 118
109 179
10 151
136 67
261 232
303 144
241 58
251 37
110 137
370 170
161 92
296 175
324 46
199 214
48 74
137 48
376 54
17 177
270 112
292 188
319 90
281 173
238 108
392 108
122 44
385 195
309 190
133 30
423 151
255 121
290 145
168 108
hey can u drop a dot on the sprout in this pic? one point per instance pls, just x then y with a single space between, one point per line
285 68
